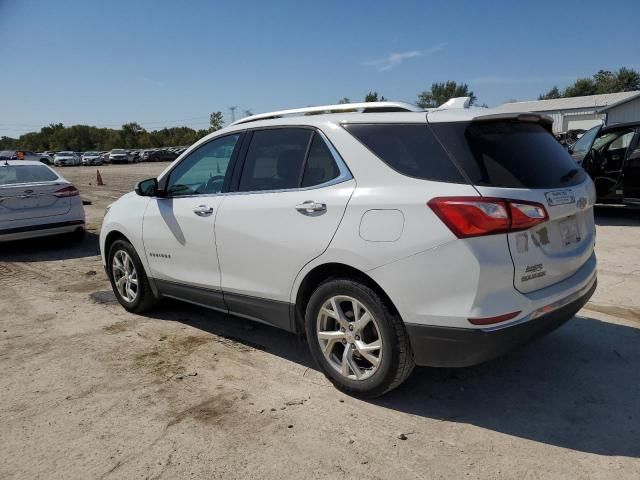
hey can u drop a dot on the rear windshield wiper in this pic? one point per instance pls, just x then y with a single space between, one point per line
569 175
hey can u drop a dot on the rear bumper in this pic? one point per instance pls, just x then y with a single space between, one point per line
438 346
33 231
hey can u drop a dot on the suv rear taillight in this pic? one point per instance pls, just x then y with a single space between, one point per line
476 216
69 191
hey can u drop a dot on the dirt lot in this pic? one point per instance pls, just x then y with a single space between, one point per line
90 391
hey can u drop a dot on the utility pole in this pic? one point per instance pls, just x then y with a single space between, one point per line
233 113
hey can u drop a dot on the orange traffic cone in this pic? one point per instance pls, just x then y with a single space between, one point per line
99 178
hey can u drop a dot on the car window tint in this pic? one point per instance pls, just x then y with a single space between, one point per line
409 149
274 159
583 145
510 154
321 166
203 170
12 174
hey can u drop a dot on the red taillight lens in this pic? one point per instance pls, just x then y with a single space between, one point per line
496 319
69 191
477 216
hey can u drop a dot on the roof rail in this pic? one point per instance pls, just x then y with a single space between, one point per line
364 107
457 102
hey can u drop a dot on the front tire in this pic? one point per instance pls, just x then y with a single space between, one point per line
128 278
356 339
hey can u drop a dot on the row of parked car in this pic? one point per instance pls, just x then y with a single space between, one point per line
117 155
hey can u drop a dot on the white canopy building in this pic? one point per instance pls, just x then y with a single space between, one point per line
583 112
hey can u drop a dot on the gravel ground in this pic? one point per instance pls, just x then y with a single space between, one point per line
90 391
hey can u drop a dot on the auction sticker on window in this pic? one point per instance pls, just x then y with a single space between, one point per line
560 197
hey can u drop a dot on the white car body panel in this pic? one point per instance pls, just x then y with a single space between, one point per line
172 229
263 241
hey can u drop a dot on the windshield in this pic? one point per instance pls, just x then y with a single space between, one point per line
583 145
13 174
118 152
91 154
65 153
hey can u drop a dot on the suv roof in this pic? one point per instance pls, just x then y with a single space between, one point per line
455 110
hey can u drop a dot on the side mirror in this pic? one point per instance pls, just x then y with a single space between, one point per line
147 188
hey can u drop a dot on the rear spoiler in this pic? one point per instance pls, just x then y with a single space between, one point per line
544 120
521 117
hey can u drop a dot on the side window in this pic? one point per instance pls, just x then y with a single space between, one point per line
274 159
321 166
410 149
203 171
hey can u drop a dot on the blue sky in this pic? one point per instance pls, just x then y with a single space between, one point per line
170 63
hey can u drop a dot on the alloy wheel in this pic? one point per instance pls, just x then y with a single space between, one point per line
349 337
125 276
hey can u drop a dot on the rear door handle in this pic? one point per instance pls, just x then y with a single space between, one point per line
310 207
203 210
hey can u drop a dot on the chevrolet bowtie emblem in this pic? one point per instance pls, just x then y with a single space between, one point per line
581 203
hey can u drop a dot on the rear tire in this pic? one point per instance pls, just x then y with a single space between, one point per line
128 278
363 347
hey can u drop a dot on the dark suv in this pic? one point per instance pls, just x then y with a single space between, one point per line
611 156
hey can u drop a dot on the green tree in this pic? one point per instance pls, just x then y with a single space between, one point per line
373 97
628 80
344 100
553 93
442 91
581 87
216 120
604 81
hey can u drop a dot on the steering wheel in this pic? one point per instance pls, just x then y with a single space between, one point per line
214 184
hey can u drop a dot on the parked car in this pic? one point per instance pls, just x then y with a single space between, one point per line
441 238
36 201
611 156
91 158
62 159
119 156
24 155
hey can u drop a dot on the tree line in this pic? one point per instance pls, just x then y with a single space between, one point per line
57 137
605 81
82 138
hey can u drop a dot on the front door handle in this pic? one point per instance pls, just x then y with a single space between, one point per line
310 207
203 210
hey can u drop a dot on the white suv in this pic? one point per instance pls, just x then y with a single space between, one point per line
387 235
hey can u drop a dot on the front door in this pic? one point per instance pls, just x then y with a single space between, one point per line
631 171
178 230
288 203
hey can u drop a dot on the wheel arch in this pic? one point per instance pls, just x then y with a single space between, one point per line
111 237
115 235
322 273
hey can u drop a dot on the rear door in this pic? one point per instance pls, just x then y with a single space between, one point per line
521 160
29 191
289 198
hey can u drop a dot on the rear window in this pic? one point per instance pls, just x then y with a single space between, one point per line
12 174
409 149
510 154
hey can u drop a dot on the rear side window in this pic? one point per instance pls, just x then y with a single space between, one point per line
12 174
412 150
510 154
275 159
321 166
